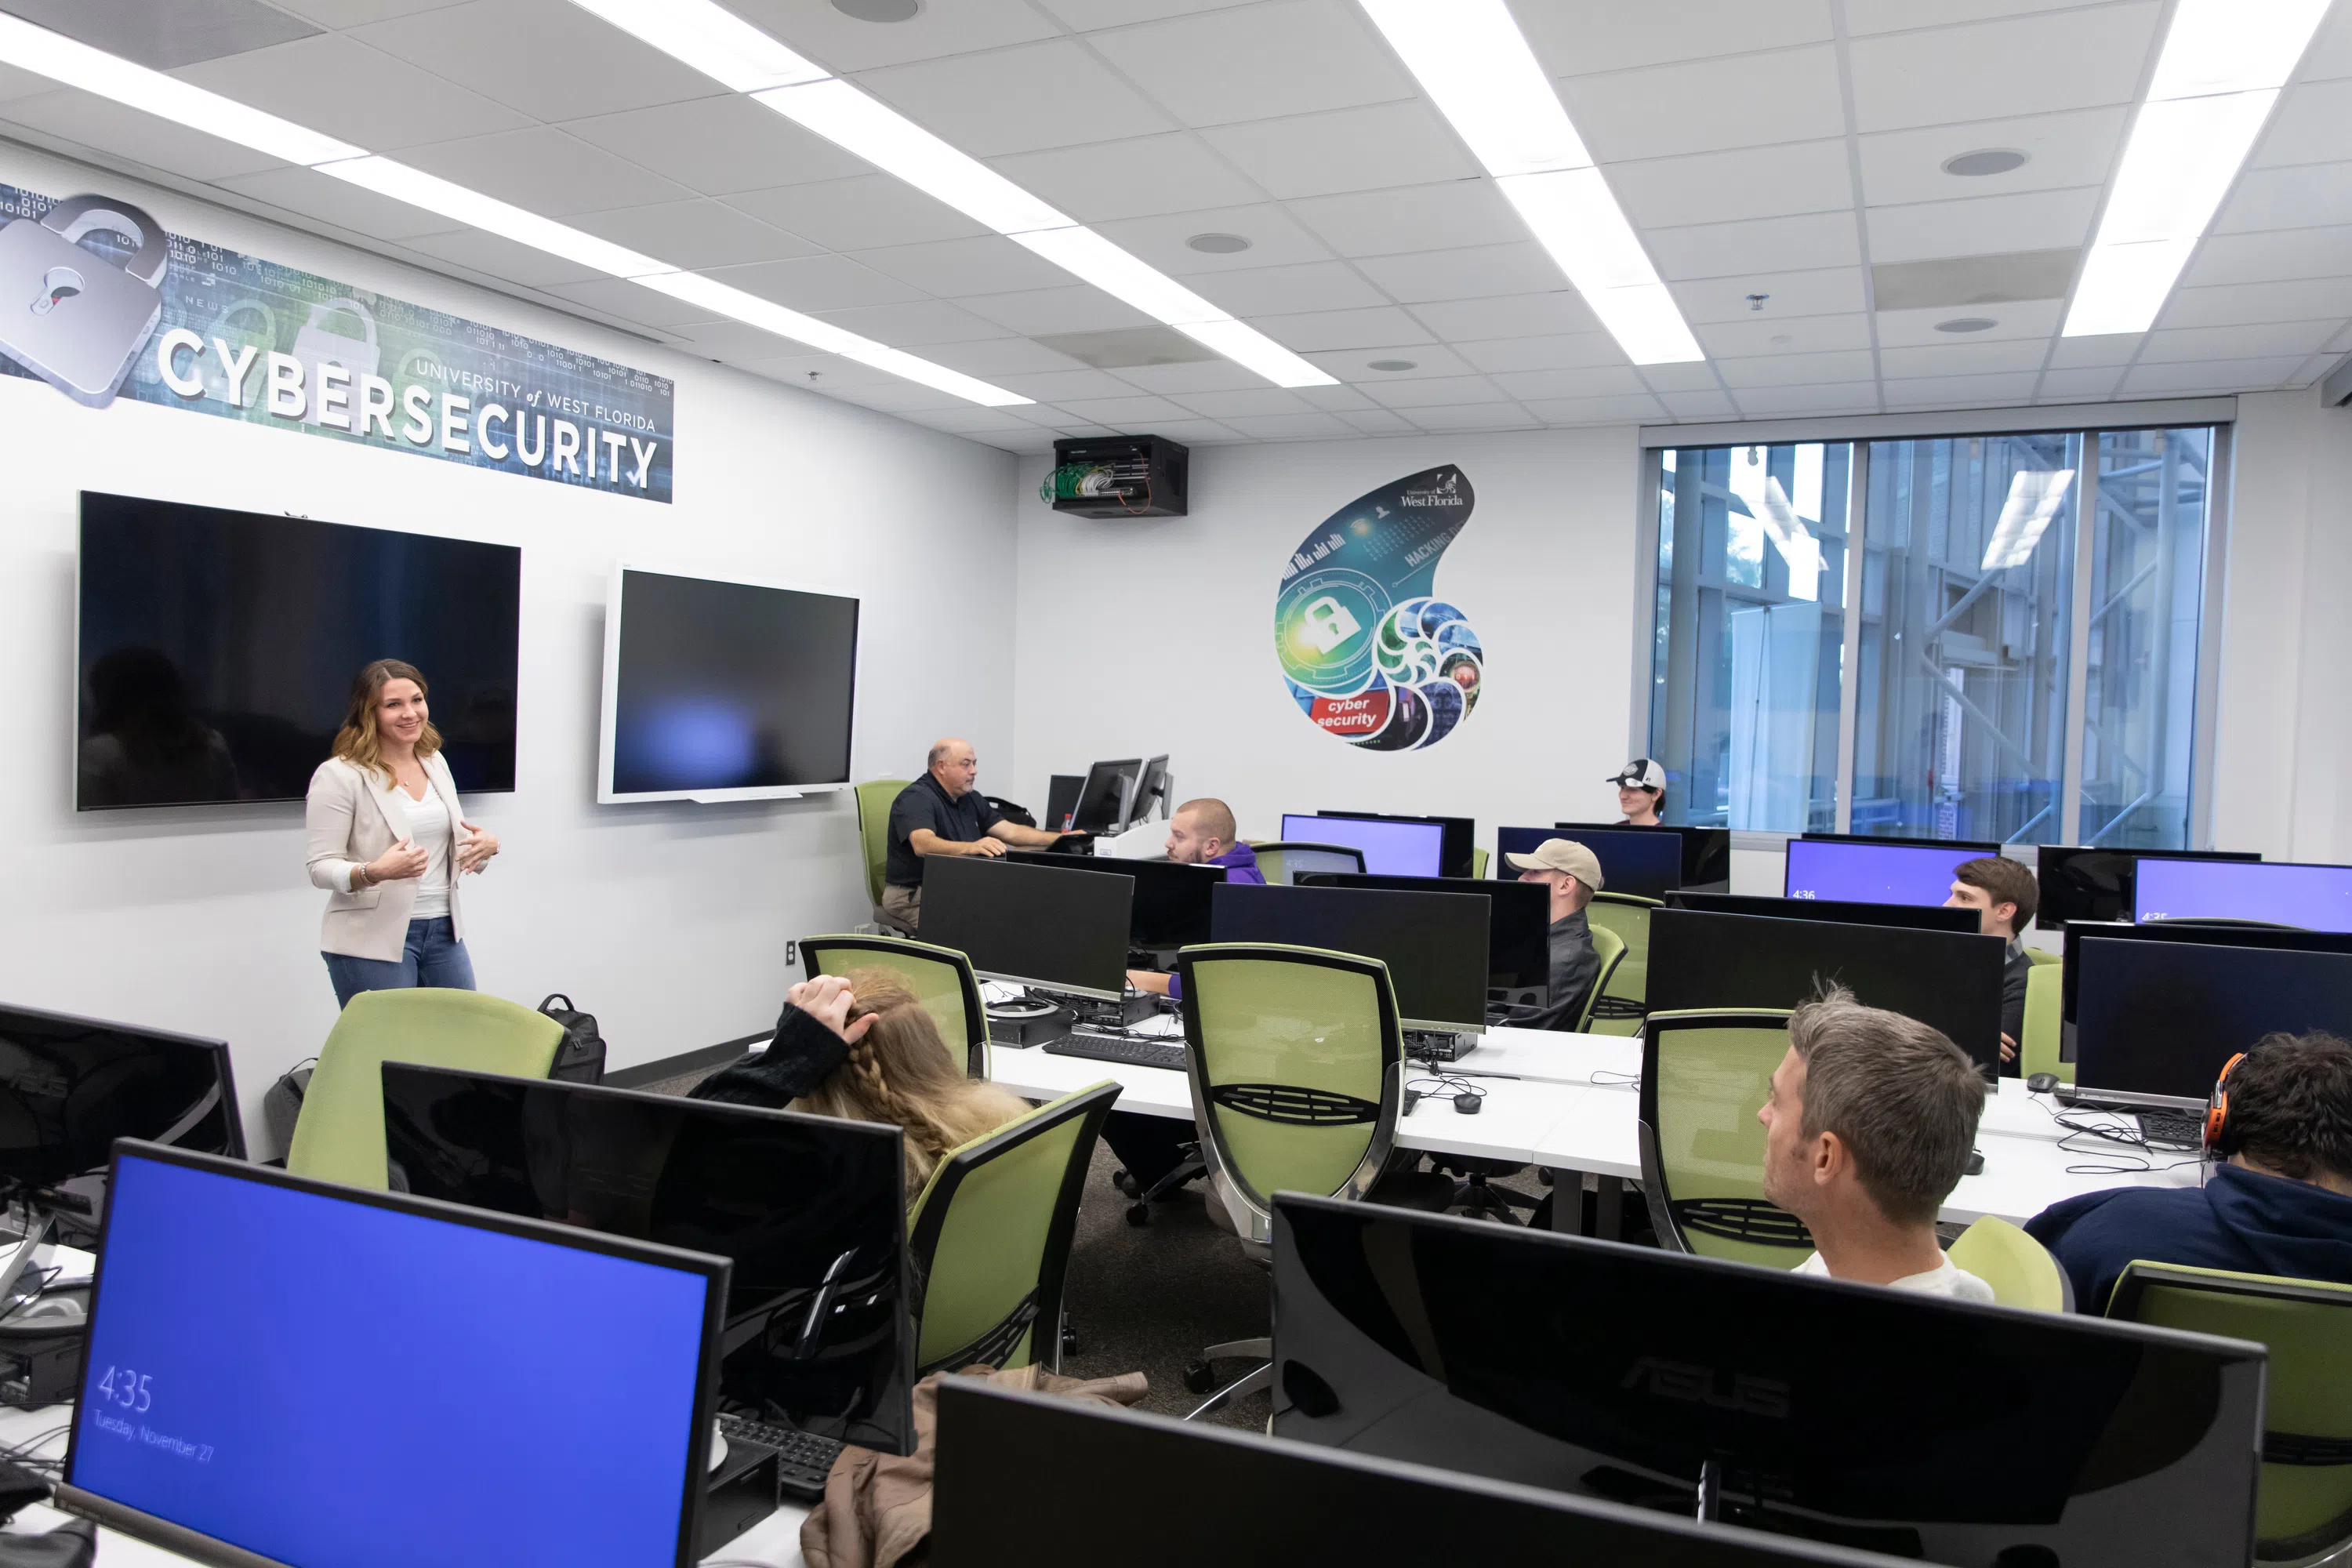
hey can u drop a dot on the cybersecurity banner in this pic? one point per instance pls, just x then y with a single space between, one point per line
1370 654
156 318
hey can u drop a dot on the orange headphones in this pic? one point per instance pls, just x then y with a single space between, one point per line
2216 1108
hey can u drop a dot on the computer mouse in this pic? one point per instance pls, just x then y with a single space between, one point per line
1469 1104
2043 1083
1975 1166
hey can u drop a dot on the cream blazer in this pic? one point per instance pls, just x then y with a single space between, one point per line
353 818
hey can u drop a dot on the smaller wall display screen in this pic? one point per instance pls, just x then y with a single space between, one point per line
714 687
216 648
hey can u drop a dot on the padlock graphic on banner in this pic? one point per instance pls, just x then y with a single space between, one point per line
1325 624
320 343
73 318
262 338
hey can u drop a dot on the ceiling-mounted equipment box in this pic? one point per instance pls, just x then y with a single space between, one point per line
1118 475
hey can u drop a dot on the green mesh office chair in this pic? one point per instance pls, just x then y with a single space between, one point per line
1477 863
2038 1052
1297 1068
990 1237
338 1136
1610 947
2302 1503
2019 1270
2043 955
1280 863
940 977
873 798
1703 1075
1619 1005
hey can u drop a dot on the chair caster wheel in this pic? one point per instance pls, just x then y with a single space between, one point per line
1126 1183
1138 1213
1199 1376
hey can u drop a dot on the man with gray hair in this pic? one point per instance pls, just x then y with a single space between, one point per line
1867 1129
942 814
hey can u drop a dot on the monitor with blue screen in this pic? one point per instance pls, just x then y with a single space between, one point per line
1873 873
1638 860
1391 848
287 1372
2276 892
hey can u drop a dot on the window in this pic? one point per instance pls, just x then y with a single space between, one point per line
1976 701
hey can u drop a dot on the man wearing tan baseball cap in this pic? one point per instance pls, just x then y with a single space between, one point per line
1573 875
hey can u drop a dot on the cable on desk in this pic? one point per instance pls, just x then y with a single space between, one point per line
1601 1078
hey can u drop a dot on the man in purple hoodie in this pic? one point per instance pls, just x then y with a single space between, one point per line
2278 1200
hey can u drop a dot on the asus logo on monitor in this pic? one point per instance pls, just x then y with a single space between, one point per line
1744 1392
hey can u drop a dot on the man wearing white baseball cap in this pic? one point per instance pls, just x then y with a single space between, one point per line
1641 789
1573 875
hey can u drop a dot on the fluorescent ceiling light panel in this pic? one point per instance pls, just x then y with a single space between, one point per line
712 40
1471 59
62 59
2217 79
474 210
1253 350
2034 496
895 144
1088 255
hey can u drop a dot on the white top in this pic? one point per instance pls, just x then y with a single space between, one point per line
430 829
1947 1278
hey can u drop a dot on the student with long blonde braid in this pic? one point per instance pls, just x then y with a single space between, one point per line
862 1047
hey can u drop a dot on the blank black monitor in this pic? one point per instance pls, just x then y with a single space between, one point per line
1461 843
1637 860
1104 798
2180 931
2154 1022
1433 943
1518 923
282 1371
1251 1501
1982 846
2088 883
1062 800
1172 901
1948 980
1151 790
811 1210
1974 1436
1839 912
1707 851
1033 925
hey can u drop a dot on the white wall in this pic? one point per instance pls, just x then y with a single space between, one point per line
668 922
1157 635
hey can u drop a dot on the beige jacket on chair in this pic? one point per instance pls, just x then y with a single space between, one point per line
353 818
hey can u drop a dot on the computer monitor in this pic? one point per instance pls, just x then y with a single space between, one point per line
1106 800
1151 790
1045 926
1707 851
1519 925
1873 873
1172 901
1062 800
811 1210
2071 970
1637 860
1907 917
285 1371
2082 882
1252 1500
1926 1428
2279 892
1433 943
1981 845
2154 1022
1461 853
1948 980
1391 848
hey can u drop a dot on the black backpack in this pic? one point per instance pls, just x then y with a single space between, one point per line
581 1058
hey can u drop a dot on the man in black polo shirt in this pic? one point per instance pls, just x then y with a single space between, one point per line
941 814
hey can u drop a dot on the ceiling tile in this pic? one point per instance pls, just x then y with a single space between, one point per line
2276 256
502 259
543 170
1835 398
1794 370
1414 217
1576 40
2313 124
1246 402
1686 377
740 344
1745 250
1962 359
2105 350
1195 432
1282 291
545 58
1347 149
1129 413
1599 381
2074 148
338 85
864 214
1556 351
1762 334
1293 427
1053 386
2330 53
15 83
1637 407
1380 422
1984 226
1087 14
1984 71
1422 360
1474 417
718 145
632 302
2210 375
1865 16
1275 239
108 127
1201 375
1054 94
926 322
326 199
1507 315
1477 272
699 233
894 396
1823 292
1791 95
356 13
987 358
2093 383
2238 304
1432 391
1142 175
1699 405
1219 67
954 268
1075 309
2268 339
816 283
1916 329
2305 196
1334 399
843 43
1961 391
1724 187
1342 328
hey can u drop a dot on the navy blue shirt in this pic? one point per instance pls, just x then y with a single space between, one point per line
2239 1220
924 803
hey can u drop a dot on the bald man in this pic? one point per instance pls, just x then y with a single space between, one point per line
942 814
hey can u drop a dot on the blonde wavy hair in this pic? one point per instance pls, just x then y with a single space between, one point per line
359 742
902 1072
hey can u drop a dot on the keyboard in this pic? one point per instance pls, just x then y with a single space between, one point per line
2182 1129
803 1458
1102 1048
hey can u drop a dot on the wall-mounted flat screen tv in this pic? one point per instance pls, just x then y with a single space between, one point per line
215 648
725 690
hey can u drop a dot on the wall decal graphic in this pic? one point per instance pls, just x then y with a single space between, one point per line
1369 652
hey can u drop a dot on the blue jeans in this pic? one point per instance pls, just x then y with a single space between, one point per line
432 956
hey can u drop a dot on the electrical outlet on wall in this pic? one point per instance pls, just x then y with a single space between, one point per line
791 952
